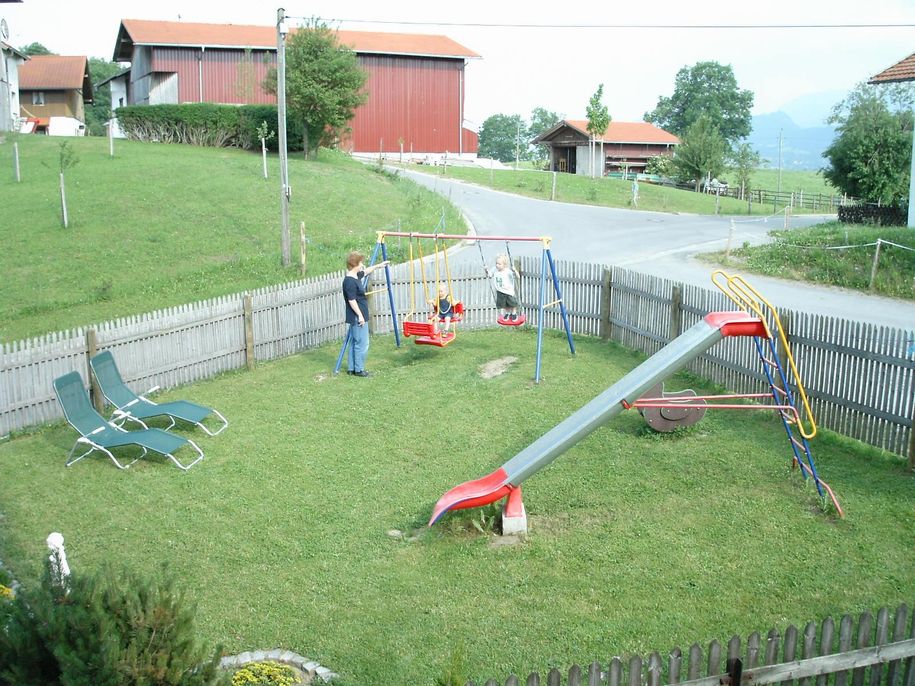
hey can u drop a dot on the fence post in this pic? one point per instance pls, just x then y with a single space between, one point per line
676 313
727 250
870 286
553 191
98 400
787 213
249 332
605 289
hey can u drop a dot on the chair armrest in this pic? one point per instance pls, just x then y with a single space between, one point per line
132 402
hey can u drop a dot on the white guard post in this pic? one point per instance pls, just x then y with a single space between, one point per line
60 570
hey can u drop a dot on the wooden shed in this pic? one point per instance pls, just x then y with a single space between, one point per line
415 86
627 146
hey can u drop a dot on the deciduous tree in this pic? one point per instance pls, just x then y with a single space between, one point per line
598 120
709 89
541 120
702 152
324 83
870 157
501 135
744 161
99 112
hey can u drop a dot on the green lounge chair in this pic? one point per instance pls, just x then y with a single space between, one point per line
130 406
98 434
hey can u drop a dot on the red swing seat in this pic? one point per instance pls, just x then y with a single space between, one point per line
439 340
426 328
503 321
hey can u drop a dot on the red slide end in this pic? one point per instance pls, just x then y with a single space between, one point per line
477 493
736 324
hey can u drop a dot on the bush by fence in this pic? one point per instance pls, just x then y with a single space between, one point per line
873 214
860 377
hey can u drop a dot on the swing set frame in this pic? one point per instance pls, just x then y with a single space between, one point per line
547 265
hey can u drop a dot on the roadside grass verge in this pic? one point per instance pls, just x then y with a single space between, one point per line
605 192
817 255
162 225
638 541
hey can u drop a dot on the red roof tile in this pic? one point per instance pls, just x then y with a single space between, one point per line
904 70
628 132
144 32
53 72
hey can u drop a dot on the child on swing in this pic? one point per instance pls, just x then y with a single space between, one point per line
504 280
444 310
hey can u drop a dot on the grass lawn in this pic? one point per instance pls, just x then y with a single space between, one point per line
807 255
637 541
807 181
162 225
609 192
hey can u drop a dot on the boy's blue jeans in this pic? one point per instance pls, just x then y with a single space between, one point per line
359 346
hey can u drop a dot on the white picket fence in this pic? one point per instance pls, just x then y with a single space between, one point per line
860 377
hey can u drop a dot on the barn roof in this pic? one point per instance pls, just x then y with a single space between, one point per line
55 72
184 34
617 132
903 70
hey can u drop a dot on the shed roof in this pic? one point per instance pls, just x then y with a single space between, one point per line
903 70
171 33
55 72
617 132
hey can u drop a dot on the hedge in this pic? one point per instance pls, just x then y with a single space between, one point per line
873 214
207 124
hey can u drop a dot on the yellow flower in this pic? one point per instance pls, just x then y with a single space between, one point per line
6 592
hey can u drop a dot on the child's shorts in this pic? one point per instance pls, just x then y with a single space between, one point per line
506 301
447 315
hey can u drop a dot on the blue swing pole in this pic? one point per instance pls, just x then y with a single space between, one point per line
387 278
562 304
541 312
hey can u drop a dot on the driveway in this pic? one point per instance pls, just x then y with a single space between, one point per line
656 243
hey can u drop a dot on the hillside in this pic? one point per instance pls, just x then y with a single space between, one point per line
802 147
161 225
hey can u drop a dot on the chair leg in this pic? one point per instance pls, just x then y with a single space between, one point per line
225 423
192 463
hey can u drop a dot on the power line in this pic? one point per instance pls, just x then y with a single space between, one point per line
728 27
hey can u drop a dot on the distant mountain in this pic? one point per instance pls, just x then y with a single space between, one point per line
802 147
812 109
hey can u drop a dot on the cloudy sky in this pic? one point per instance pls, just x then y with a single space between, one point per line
554 56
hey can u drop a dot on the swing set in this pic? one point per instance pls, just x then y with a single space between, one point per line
425 330
423 327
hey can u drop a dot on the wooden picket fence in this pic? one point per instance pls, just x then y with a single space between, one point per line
860 377
880 653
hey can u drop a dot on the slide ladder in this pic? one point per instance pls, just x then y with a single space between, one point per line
785 385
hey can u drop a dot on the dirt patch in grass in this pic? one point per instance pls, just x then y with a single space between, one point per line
494 368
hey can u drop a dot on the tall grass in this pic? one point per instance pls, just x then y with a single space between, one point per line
159 225
304 527
835 254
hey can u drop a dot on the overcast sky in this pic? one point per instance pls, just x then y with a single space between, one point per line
549 62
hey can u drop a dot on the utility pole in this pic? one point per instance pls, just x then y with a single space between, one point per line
281 30
779 187
518 145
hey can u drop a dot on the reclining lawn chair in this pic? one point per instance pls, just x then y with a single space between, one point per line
98 434
135 407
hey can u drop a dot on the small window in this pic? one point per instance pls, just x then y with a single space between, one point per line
37 98
120 102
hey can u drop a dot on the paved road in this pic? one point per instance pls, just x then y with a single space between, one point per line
653 242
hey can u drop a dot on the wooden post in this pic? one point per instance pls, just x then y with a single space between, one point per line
98 400
605 290
727 250
249 332
63 201
16 161
110 139
303 255
264 155
912 446
876 262
553 190
676 312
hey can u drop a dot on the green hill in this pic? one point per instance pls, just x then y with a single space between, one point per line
160 225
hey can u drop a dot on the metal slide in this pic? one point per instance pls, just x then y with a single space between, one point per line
620 396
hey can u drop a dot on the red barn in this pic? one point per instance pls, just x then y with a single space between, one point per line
415 82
